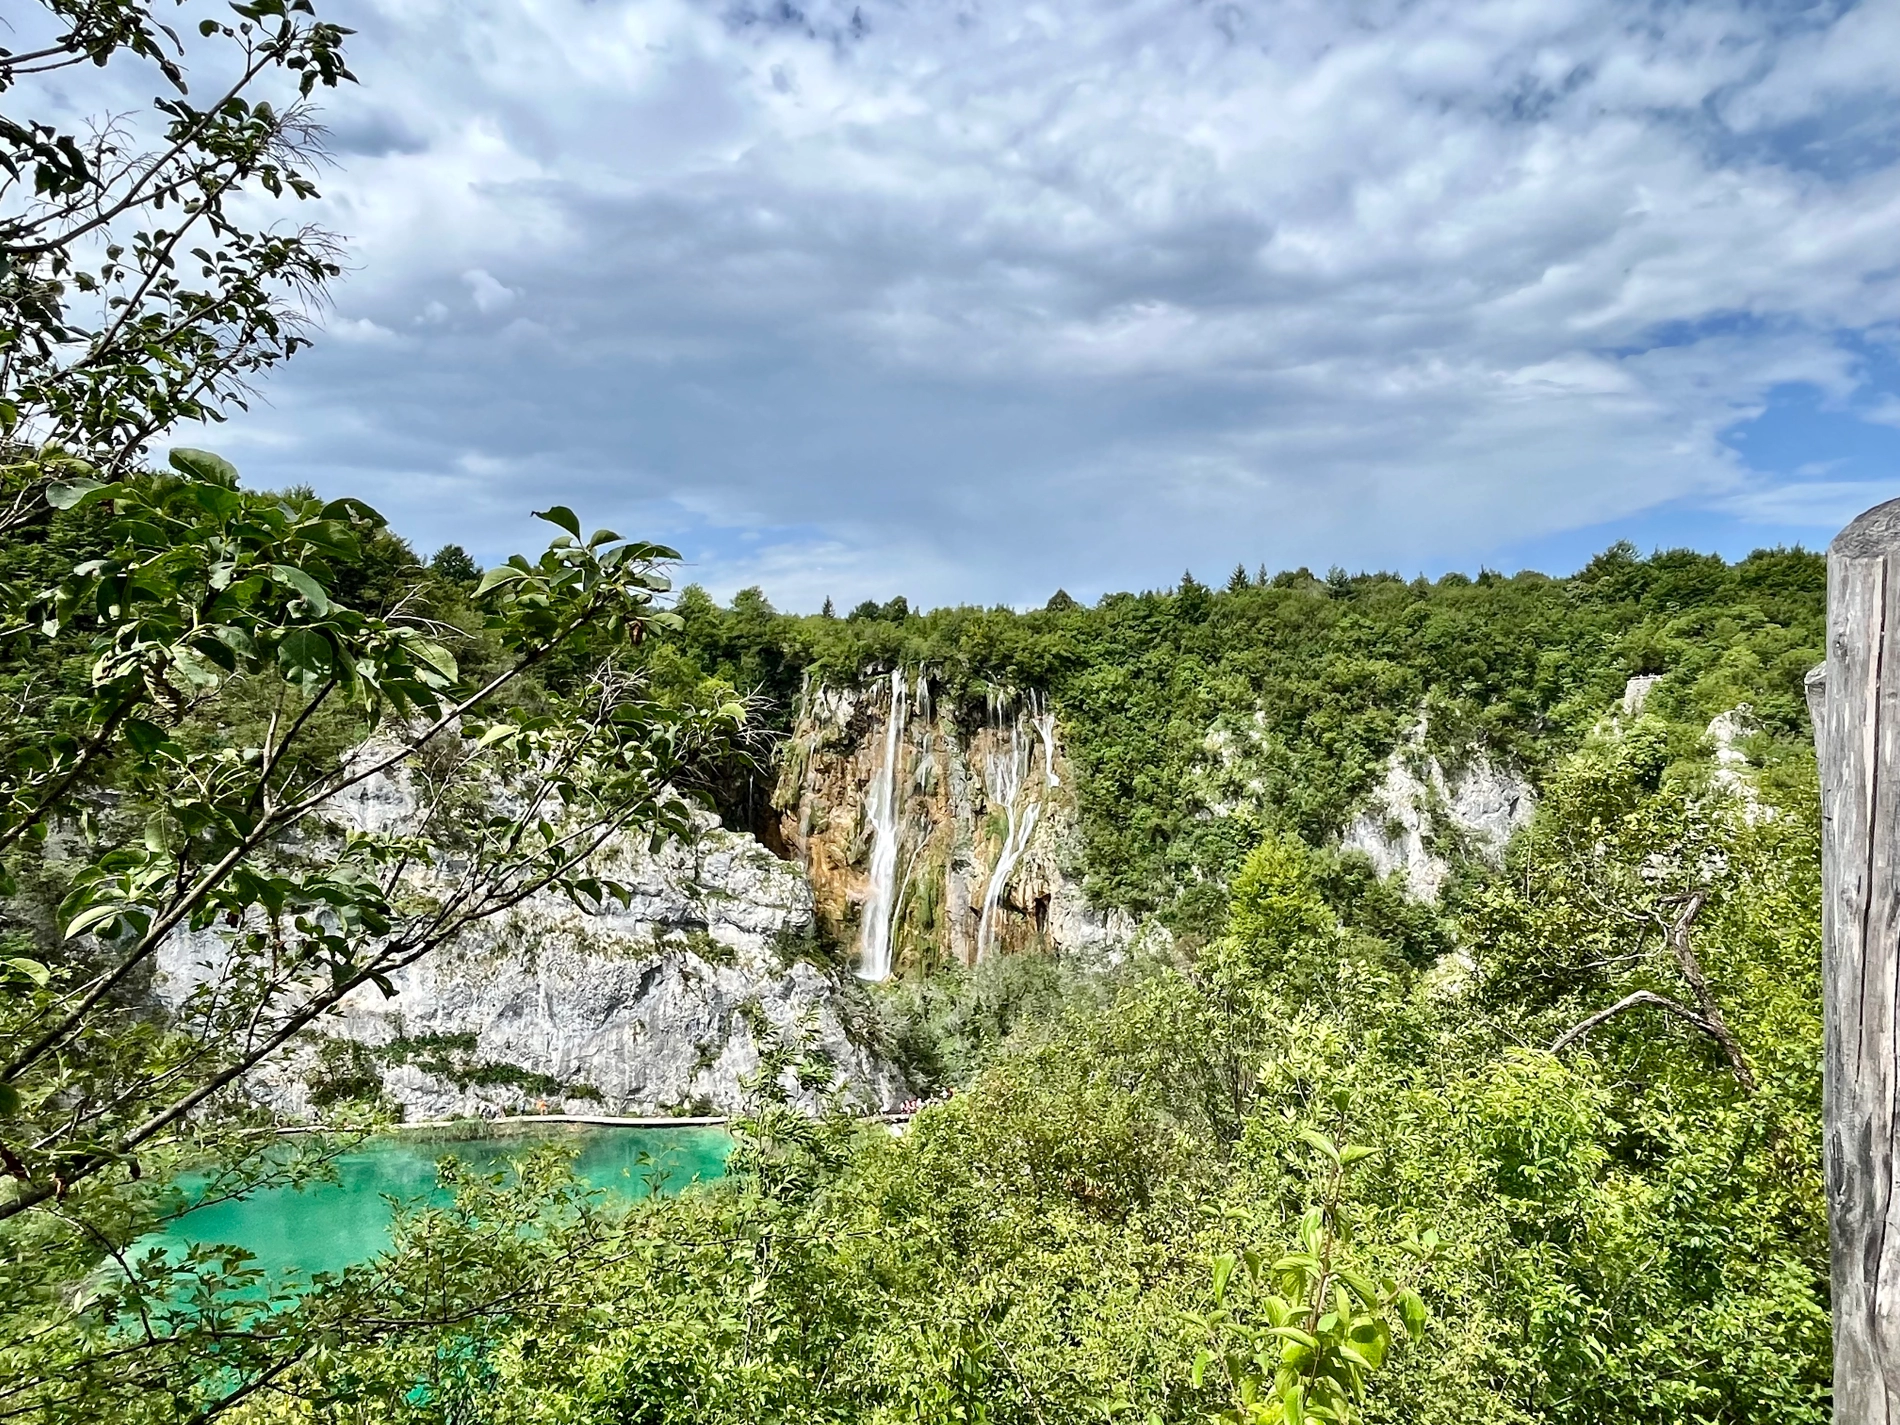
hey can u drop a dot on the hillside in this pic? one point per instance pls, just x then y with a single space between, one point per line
1198 720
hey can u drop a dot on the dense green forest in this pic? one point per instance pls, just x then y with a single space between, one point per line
1312 681
1632 1227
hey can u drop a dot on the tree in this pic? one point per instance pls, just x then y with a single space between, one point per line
1237 580
1192 599
197 789
453 563
138 285
1325 1323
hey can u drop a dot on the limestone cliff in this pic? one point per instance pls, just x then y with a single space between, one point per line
1422 814
659 1006
935 829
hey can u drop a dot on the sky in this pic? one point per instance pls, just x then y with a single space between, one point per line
971 299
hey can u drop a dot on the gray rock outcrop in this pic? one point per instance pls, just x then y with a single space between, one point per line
663 1005
1420 810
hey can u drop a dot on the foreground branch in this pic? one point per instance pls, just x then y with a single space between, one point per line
1714 1024
1705 1018
1641 997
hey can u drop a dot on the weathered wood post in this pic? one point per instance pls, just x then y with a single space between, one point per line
1855 700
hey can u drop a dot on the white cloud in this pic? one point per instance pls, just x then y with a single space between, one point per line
489 295
1823 505
974 301
1884 411
358 329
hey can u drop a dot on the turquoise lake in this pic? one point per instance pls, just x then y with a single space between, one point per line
329 1226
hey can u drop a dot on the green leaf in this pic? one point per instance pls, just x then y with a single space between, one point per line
203 465
1223 1269
235 639
30 969
1362 1288
145 737
435 655
493 578
306 655
91 918
1412 1312
219 501
562 516
1320 1141
1347 1352
311 591
64 494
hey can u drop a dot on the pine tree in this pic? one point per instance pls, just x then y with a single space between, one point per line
455 564
1237 580
827 611
1192 600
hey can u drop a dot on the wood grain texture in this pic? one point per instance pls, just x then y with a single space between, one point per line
1857 738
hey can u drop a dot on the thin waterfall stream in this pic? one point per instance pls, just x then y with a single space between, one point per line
883 812
1007 768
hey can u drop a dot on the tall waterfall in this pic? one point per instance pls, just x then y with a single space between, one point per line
883 811
1007 767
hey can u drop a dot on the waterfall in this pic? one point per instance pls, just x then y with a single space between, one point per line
1045 720
883 810
1007 766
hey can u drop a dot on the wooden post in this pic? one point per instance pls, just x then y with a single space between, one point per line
1855 699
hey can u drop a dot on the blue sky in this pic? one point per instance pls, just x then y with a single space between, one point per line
970 299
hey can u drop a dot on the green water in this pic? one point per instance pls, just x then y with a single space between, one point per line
325 1227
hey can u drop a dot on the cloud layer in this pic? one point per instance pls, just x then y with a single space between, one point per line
971 300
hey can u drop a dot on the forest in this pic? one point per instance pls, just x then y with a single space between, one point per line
1545 1149
1325 674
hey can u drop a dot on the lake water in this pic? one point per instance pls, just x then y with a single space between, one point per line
329 1226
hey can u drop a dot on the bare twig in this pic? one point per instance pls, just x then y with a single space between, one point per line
1691 969
1641 997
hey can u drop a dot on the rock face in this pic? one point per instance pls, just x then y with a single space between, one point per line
1421 811
953 825
661 1006
1731 774
1636 693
